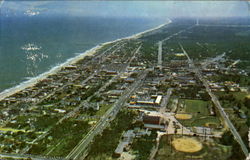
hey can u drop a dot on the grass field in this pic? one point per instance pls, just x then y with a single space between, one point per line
103 109
203 121
200 113
196 106
240 95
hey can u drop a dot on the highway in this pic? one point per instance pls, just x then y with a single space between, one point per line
217 104
76 153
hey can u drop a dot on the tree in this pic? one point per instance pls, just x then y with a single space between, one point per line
226 138
236 152
247 102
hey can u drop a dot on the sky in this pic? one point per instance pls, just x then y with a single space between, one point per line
153 9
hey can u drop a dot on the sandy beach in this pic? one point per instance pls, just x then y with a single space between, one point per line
90 52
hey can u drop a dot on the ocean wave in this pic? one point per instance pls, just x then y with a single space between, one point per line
31 47
31 12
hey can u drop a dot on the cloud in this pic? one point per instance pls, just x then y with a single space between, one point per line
153 9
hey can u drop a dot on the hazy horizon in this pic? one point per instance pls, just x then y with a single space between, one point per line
140 9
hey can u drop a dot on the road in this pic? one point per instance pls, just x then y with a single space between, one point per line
177 33
160 54
208 62
25 156
154 150
217 104
76 153
165 100
233 64
229 25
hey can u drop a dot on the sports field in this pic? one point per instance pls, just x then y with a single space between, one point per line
189 145
183 116
196 113
196 106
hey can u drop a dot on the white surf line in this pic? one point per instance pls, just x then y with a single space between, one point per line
33 81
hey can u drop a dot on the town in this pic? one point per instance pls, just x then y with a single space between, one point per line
177 92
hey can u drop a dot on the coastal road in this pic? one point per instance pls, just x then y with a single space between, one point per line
217 104
76 153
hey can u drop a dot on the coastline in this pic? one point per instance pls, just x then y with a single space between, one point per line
29 83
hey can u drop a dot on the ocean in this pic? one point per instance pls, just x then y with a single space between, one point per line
30 46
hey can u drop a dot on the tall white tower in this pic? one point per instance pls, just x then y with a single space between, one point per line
197 22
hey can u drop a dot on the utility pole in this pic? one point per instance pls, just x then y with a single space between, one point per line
167 134
171 144
205 134
182 131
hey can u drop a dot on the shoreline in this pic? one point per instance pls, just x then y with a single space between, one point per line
31 82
